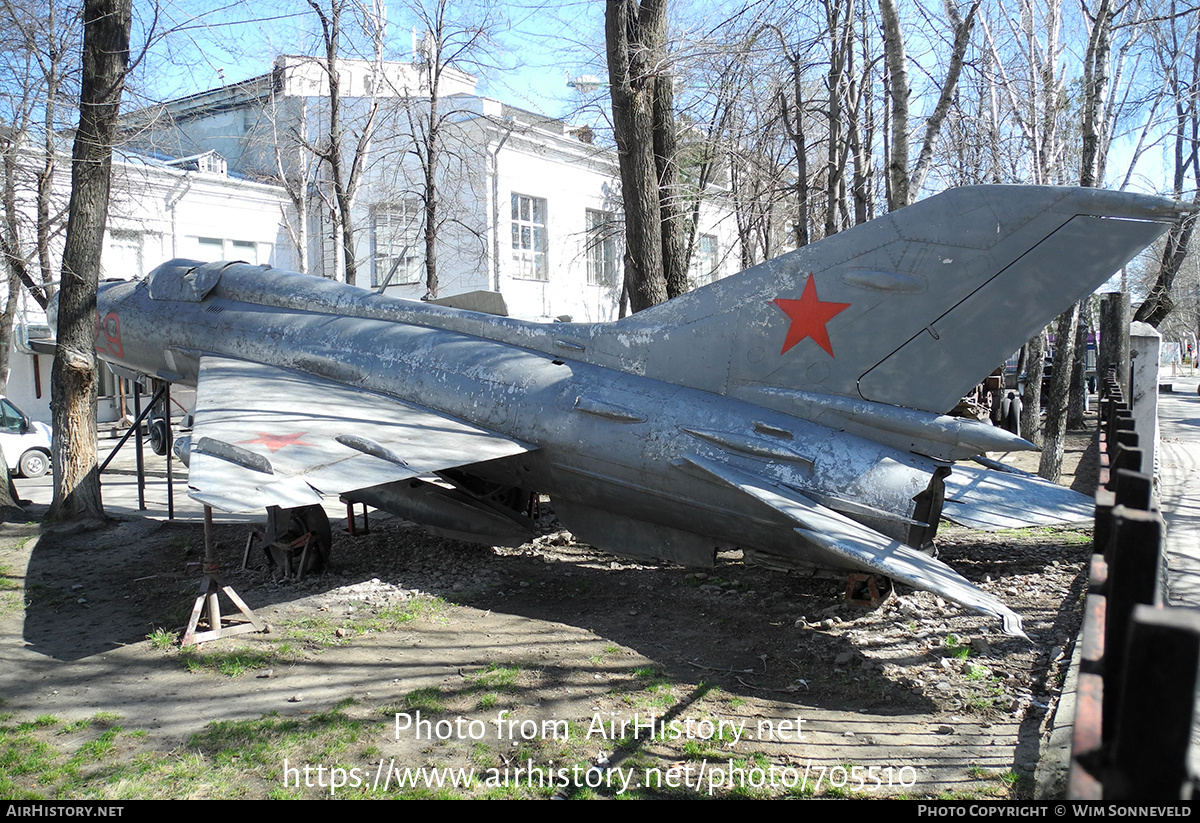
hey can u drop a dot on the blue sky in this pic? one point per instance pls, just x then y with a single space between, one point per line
203 45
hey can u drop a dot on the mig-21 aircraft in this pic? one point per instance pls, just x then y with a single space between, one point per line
796 410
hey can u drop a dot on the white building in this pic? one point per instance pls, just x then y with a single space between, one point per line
527 205
159 209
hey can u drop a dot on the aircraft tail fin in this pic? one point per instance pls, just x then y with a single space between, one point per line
911 309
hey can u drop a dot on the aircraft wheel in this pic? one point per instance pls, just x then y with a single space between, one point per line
34 463
304 520
156 431
997 409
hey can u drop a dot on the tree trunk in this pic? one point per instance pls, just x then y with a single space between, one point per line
6 326
345 180
1159 303
962 37
1114 338
1054 439
840 33
675 225
1031 411
793 121
1076 403
632 80
73 377
10 248
429 197
897 66
1095 88
10 511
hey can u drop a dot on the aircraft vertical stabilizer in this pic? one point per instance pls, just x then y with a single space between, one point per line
911 309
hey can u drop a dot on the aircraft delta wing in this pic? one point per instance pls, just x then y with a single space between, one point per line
795 410
266 436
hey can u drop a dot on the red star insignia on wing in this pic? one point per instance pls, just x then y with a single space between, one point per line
809 316
275 442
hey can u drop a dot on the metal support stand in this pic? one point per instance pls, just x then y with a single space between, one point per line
170 480
295 540
140 459
211 585
291 565
350 527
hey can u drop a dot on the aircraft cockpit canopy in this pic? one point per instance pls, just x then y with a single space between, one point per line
186 280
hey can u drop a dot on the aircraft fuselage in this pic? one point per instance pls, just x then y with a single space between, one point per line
611 446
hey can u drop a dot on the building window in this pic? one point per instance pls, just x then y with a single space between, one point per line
211 248
603 248
217 248
244 251
705 264
123 257
397 247
529 237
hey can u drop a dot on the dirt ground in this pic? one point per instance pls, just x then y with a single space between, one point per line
529 672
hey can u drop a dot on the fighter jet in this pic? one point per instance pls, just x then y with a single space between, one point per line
796 410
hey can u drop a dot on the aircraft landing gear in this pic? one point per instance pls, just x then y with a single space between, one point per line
297 541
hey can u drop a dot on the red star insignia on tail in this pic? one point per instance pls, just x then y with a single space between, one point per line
809 316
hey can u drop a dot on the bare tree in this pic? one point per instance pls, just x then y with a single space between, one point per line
1179 51
791 101
643 128
453 37
296 167
345 149
1026 88
105 61
903 187
37 67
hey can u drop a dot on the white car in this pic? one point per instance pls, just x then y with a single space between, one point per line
26 442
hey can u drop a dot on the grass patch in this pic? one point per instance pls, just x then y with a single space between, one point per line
8 581
976 672
425 607
229 759
699 750
161 639
430 700
230 662
957 646
495 678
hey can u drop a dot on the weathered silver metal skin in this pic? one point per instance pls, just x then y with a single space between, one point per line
795 410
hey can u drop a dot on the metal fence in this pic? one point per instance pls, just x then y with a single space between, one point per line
1137 677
